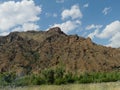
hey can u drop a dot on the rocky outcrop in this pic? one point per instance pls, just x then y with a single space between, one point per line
34 51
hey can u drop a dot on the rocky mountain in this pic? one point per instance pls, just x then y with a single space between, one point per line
34 51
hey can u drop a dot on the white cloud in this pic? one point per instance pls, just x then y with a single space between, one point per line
74 13
30 26
15 14
51 14
4 33
60 1
115 40
86 5
106 10
96 29
73 22
112 32
92 26
93 34
68 25
26 27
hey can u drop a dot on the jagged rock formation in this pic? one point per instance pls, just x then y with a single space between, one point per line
33 51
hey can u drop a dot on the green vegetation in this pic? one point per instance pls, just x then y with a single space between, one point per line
99 77
7 79
57 76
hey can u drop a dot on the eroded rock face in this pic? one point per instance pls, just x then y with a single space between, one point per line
33 51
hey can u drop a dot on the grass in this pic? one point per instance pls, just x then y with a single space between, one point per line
93 86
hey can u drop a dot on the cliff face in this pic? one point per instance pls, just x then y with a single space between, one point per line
33 51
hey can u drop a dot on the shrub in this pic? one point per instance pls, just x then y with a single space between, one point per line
57 76
59 73
69 78
59 81
7 78
48 76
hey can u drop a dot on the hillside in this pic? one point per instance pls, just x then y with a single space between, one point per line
33 51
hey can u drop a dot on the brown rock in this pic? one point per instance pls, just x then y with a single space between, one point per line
33 51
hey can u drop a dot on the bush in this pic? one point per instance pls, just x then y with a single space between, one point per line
7 78
48 76
69 78
59 73
99 77
57 76
24 81
37 80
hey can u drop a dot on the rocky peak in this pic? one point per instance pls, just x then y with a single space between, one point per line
56 30
89 40
13 36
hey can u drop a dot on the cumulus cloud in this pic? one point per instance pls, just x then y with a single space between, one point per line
96 29
73 13
94 34
115 40
68 25
26 27
18 15
86 5
112 32
106 10
92 26
71 19
73 22
4 33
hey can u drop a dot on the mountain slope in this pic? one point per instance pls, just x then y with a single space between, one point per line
33 51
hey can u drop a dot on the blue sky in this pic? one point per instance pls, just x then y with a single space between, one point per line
97 19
